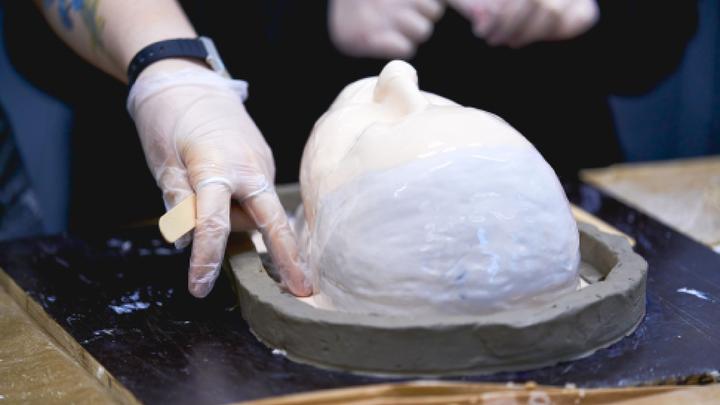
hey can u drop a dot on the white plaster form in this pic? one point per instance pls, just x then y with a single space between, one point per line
417 205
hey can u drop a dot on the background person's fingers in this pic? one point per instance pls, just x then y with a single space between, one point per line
271 220
537 28
517 15
432 9
414 25
578 18
210 237
487 17
390 44
501 15
466 8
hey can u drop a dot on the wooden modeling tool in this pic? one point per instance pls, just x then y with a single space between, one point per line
179 220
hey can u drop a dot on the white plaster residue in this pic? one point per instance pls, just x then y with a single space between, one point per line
108 332
500 398
128 304
100 373
539 398
129 308
2 397
694 292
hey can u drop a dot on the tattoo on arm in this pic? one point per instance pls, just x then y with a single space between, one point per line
88 12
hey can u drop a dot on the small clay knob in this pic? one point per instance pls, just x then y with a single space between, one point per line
397 87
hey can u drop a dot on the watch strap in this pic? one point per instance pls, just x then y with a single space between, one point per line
171 48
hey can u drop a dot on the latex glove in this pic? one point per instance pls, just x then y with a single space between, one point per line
382 28
517 23
198 138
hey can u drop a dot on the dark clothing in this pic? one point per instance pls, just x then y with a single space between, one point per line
555 93
19 213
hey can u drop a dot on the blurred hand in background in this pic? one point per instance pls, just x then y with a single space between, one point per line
382 28
517 23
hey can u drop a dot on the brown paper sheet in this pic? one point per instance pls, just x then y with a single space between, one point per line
41 363
426 393
684 194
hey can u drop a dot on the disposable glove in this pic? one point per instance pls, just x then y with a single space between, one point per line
382 28
517 23
198 138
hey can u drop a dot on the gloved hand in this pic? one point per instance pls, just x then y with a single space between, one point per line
517 23
382 28
198 138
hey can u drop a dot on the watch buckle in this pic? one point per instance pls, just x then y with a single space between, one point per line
213 57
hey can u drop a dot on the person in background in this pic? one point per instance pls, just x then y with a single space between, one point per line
546 66
395 29
195 131
553 89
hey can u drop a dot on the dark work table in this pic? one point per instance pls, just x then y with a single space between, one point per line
123 297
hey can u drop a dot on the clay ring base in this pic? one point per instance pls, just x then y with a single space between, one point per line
573 326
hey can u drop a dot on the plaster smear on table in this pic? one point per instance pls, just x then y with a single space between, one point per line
416 205
694 292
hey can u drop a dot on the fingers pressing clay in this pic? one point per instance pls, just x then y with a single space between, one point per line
196 132
271 220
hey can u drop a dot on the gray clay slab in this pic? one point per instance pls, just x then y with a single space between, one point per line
574 326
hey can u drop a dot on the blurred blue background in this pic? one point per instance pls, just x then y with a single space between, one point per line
42 130
681 117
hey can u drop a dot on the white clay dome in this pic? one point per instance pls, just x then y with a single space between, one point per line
414 204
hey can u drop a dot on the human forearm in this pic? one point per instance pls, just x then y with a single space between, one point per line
108 33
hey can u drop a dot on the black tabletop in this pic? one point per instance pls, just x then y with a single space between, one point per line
123 296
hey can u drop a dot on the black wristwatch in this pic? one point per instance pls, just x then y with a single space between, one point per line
200 48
